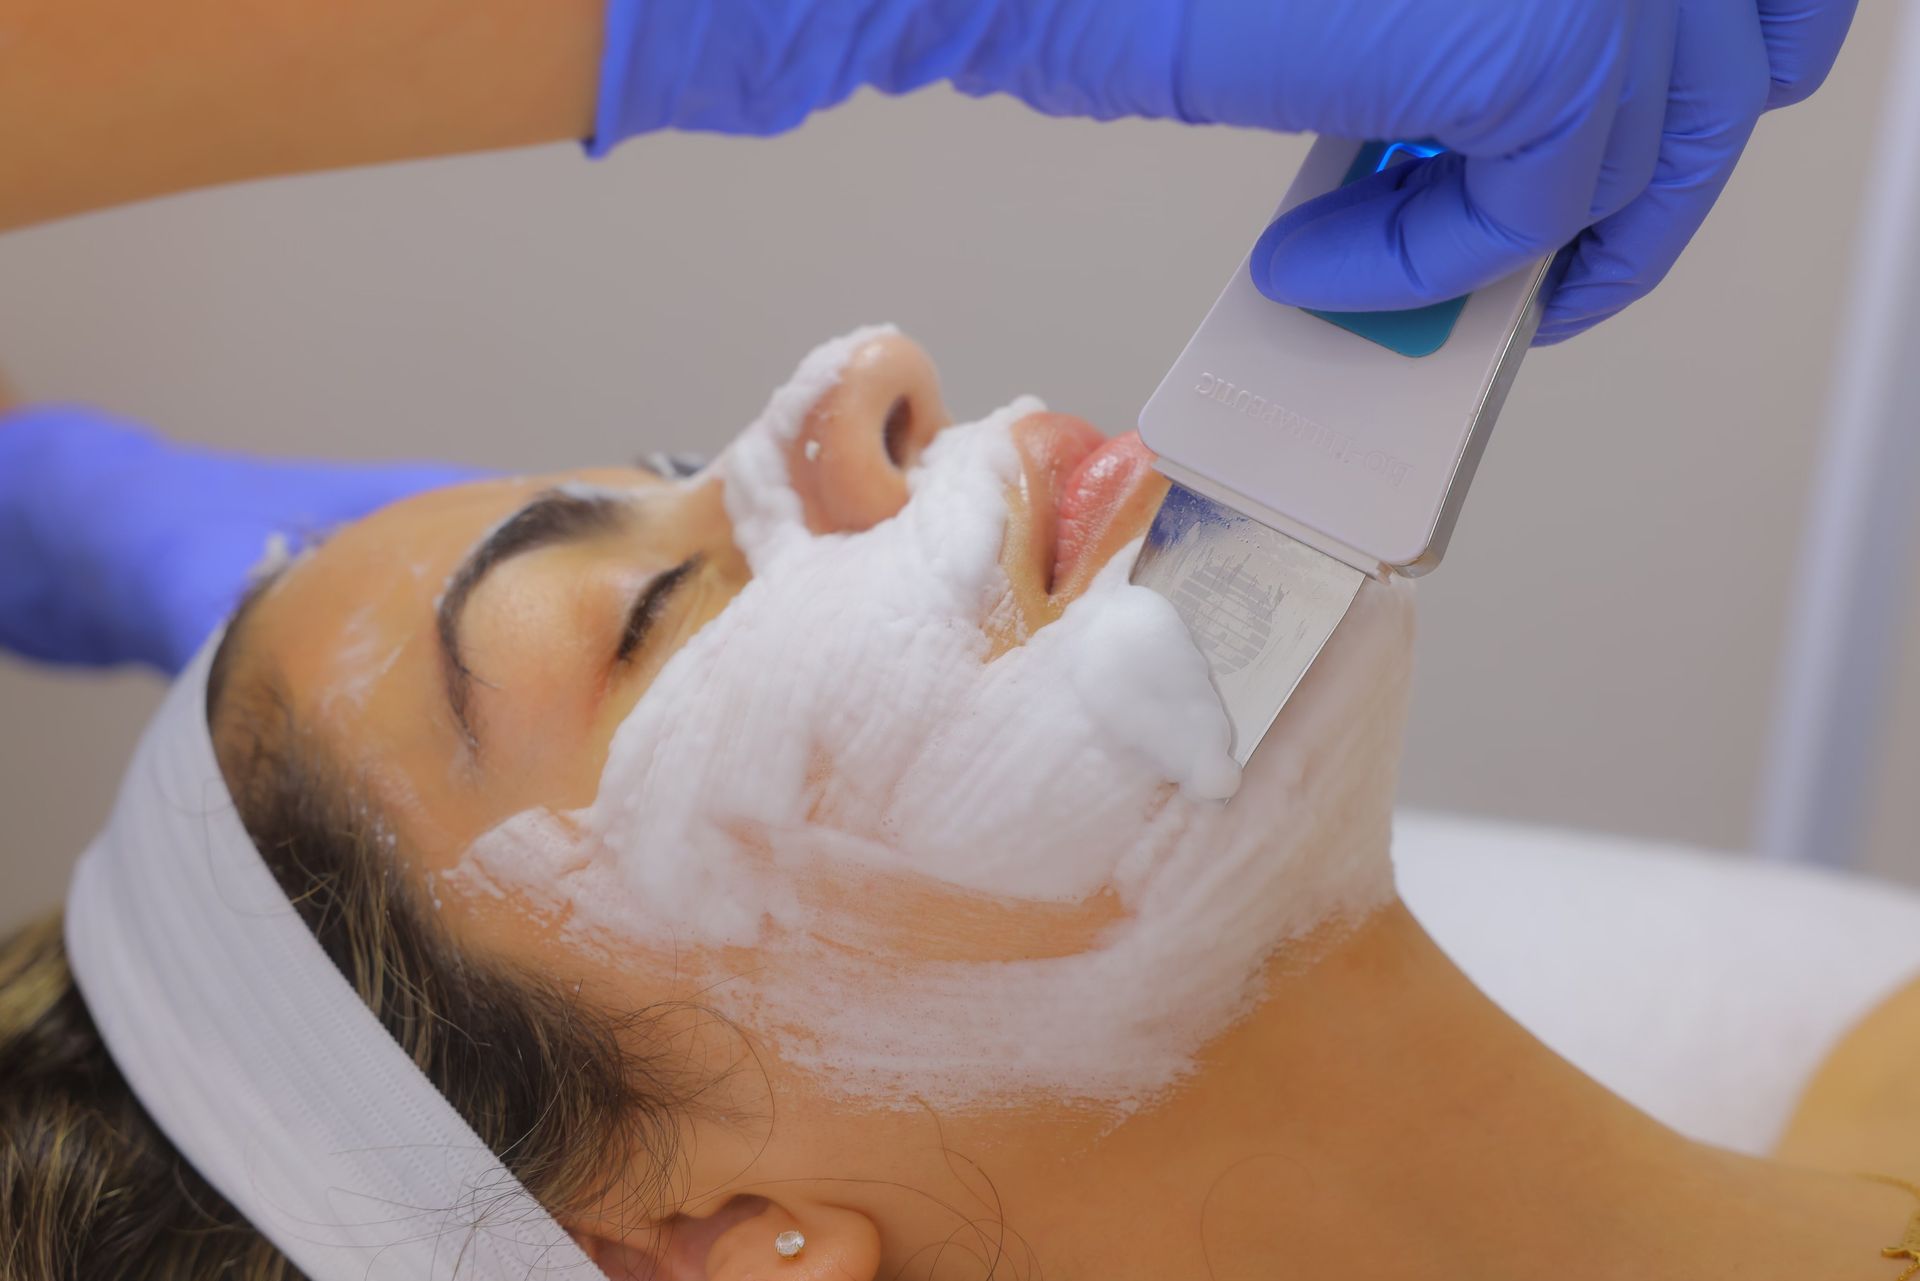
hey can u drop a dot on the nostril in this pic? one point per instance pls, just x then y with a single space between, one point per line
852 459
898 432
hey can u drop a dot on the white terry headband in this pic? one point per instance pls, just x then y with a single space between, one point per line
253 1054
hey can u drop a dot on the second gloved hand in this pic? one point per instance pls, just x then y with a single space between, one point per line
1613 121
117 546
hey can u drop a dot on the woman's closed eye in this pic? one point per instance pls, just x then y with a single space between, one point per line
650 604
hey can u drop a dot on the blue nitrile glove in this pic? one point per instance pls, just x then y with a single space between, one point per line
1619 118
116 546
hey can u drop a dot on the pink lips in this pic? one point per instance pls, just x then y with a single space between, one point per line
1092 495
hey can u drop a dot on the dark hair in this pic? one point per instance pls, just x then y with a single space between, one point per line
90 1188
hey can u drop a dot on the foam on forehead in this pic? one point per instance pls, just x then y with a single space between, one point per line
843 722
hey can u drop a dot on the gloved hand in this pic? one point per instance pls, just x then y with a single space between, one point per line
116 546
1617 121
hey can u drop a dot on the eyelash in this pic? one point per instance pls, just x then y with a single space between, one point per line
673 465
649 606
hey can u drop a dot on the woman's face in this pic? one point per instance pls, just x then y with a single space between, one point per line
475 648
860 734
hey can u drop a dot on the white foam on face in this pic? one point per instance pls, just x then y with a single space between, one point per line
837 775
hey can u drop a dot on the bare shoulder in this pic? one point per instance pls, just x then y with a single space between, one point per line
1861 1112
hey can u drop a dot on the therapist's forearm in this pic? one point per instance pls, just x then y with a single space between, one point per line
106 101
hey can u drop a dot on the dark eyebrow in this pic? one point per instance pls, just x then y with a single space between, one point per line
552 517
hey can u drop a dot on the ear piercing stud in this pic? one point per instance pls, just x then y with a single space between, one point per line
789 1244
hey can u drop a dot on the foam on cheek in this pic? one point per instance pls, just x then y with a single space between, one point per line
842 727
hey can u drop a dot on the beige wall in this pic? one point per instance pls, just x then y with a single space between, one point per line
1598 651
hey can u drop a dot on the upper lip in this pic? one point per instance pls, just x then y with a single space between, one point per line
1051 448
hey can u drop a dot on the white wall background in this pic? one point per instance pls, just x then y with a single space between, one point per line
1599 650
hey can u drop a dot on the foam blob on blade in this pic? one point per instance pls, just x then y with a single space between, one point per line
1145 683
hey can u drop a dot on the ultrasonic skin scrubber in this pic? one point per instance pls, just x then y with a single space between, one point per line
1310 449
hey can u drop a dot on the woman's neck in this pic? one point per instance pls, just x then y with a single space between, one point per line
1379 1117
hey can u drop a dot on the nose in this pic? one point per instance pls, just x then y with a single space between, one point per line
850 458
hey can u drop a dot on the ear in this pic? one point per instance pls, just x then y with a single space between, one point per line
840 1245
736 1243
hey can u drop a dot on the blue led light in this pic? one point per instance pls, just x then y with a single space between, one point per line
1408 150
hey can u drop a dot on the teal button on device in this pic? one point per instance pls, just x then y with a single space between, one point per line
1420 331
